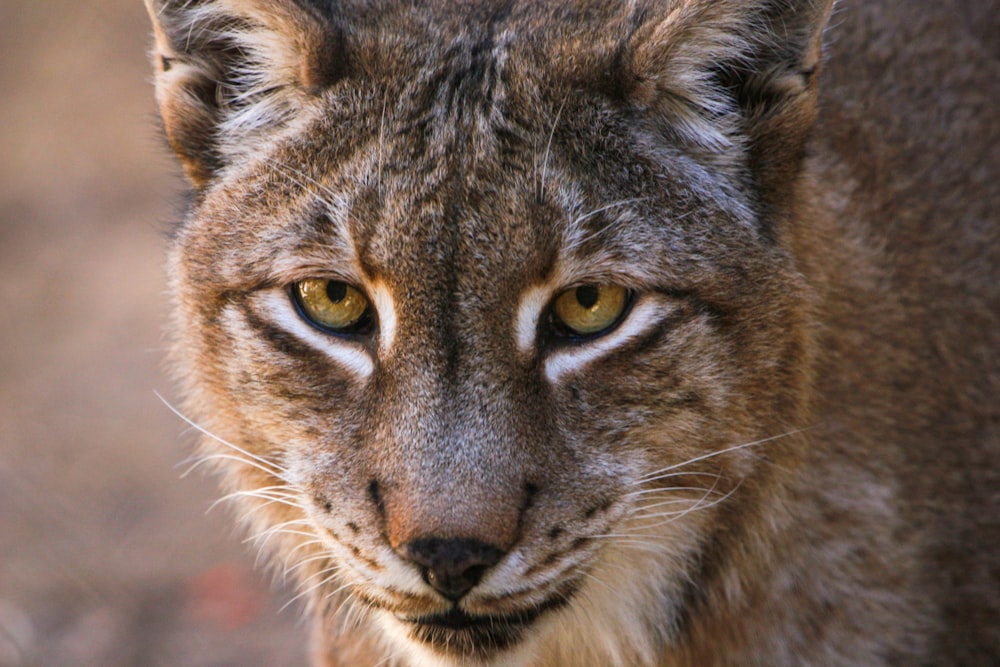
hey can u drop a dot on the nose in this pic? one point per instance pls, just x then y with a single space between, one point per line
452 567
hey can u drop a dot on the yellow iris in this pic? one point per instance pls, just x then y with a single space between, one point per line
590 309
331 304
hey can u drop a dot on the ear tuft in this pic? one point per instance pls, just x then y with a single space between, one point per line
231 72
673 71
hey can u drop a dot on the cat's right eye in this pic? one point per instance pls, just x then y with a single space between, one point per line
588 311
332 305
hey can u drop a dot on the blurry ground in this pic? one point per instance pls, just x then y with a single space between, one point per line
107 557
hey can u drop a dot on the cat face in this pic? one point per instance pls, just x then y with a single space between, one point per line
486 338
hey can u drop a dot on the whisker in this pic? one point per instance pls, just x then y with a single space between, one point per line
269 466
355 613
660 478
698 506
256 508
260 540
390 658
263 536
288 558
333 575
281 527
303 545
269 493
199 461
643 492
291 568
337 590
755 443
665 503
650 545
641 513
600 582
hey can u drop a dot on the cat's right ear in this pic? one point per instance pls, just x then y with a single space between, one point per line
229 73
724 76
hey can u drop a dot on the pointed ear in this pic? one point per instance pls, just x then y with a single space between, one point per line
230 72
723 74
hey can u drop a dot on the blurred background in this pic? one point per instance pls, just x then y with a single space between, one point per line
107 555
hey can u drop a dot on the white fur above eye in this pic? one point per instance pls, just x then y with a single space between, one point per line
529 312
385 307
278 308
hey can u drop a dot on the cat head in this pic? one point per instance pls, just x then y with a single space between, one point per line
494 302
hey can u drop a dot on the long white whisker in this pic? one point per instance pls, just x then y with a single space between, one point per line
303 545
260 541
281 528
269 466
649 545
269 493
660 478
698 506
289 561
666 503
263 505
347 598
263 536
333 575
755 443
636 494
337 590
227 457
302 563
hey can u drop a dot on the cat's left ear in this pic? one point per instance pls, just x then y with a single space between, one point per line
725 73
231 72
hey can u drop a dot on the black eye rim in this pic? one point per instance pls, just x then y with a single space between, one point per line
364 327
557 333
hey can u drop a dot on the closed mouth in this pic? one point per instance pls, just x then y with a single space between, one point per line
458 632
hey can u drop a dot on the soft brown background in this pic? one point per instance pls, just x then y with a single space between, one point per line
107 556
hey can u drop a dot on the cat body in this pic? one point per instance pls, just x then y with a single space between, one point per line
600 333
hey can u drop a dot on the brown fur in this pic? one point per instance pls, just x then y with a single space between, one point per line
812 365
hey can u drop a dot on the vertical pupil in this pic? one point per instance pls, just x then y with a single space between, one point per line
586 296
336 291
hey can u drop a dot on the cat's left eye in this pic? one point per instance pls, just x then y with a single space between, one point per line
332 305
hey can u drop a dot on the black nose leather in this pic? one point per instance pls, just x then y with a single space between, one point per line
452 566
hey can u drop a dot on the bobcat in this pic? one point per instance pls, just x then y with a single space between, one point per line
600 332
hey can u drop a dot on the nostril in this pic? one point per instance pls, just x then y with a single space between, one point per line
452 566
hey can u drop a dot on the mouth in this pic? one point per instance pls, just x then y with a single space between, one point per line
457 632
